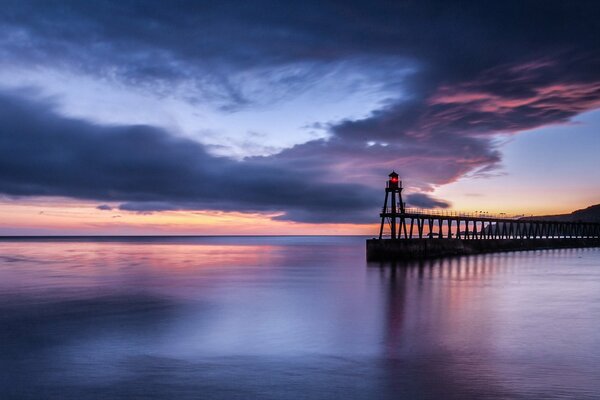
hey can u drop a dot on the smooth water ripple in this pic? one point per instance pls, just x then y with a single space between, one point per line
292 318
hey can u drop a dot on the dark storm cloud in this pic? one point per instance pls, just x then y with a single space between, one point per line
44 154
207 44
421 200
478 70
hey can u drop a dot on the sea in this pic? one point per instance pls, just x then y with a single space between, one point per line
292 317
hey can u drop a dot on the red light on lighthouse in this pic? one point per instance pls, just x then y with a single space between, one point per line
393 182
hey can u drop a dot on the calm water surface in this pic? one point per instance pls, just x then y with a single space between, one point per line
293 318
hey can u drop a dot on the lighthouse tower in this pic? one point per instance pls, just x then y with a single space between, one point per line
393 192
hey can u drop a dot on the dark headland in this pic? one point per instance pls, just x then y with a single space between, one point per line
590 214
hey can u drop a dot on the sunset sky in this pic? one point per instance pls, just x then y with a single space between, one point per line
274 117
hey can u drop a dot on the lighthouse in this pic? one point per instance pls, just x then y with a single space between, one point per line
393 194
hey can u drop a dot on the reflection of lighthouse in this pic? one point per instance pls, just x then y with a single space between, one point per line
433 312
404 285
426 297
395 307
393 186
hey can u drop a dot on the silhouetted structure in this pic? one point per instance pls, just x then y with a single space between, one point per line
393 191
412 231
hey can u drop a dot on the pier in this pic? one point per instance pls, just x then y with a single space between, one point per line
415 234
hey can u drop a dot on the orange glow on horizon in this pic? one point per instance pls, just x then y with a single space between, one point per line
68 217
62 216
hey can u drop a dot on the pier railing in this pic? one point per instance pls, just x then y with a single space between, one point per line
451 213
415 223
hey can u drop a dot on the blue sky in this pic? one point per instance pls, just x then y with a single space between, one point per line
132 114
547 170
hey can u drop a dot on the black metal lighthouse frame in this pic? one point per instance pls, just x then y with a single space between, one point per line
393 187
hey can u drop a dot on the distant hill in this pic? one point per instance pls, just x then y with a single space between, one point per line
590 214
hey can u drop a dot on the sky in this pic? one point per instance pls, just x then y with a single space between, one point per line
274 117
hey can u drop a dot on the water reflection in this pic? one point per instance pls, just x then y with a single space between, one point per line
493 325
293 317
